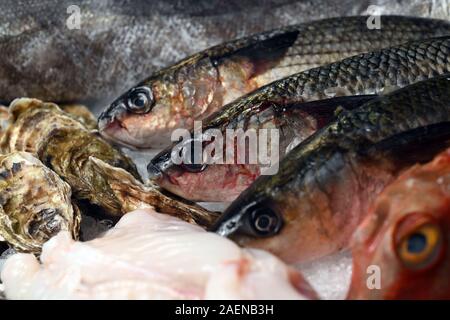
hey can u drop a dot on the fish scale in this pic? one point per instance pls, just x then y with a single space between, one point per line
420 58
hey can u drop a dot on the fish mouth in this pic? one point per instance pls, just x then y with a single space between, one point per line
154 172
118 133
230 221
103 124
111 127
109 130
108 117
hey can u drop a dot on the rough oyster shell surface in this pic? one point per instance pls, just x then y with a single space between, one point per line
95 170
35 203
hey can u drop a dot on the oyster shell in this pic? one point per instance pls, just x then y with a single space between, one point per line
82 114
4 119
93 168
31 122
35 204
132 195
65 145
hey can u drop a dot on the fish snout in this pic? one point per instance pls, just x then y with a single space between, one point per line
112 113
160 164
154 172
103 122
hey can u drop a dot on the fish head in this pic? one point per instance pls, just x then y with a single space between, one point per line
130 119
202 181
401 250
146 115
260 218
218 182
279 214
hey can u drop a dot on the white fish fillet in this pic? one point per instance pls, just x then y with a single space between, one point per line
151 256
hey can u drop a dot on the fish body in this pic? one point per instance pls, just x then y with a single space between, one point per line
376 72
201 84
324 186
406 236
35 203
151 256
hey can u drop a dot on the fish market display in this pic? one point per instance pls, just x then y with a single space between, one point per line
324 186
151 256
209 149
35 204
174 97
271 107
86 162
406 235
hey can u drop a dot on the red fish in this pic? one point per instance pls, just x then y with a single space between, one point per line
406 237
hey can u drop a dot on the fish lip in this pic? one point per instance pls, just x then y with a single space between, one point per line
105 118
110 118
114 140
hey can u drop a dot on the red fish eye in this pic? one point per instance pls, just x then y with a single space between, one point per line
419 242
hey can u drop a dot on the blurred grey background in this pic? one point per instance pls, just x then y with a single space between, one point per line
121 42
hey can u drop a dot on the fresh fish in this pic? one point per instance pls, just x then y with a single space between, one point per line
324 186
406 237
151 256
95 171
197 86
371 73
224 182
35 203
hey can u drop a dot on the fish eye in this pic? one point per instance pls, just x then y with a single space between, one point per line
421 247
263 221
140 100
